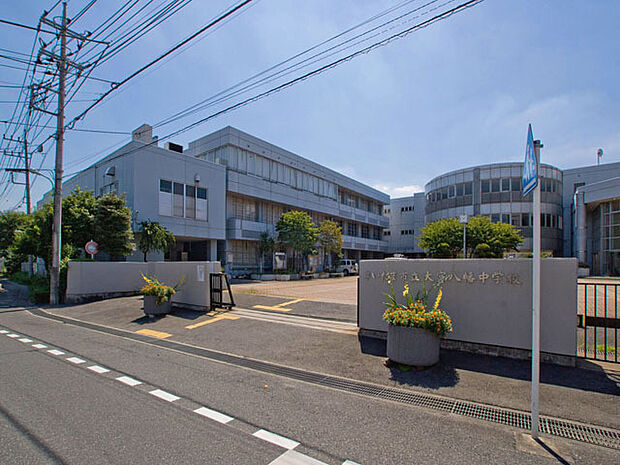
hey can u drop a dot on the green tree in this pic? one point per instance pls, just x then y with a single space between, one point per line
153 236
12 225
330 239
442 238
266 244
490 240
113 226
297 231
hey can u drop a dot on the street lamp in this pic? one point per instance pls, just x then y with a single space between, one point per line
463 219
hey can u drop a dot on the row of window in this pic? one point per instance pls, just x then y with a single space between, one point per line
247 162
526 220
182 200
406 209
489 185
406 232
361 203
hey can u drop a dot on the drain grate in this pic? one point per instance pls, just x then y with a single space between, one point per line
590 434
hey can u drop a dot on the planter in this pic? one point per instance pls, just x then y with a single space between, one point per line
283 277
294 277
323 275
336 275
583 272
151 308
255 276
268 277
412 346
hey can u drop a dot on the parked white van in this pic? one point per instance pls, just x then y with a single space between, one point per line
347 266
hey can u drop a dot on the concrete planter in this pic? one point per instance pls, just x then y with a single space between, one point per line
294 277
283 277
151 307
316 275
583 272
255 276
412 346
323 275
336 275
268 277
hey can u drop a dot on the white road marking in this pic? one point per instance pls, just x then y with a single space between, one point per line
56 352
3 331
350 462
275 439
164 395
76 360
98 369
13 335
292 457
39 346
25 340
213 415
128 381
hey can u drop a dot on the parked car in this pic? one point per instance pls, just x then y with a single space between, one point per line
347 266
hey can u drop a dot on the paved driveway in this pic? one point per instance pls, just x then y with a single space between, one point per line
333 290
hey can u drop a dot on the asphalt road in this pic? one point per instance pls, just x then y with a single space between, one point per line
55 410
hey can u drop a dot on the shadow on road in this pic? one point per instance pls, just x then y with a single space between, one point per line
445 373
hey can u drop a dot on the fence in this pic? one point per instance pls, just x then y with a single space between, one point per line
597 321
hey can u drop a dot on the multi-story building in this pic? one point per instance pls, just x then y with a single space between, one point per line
218 196
406 217
591 201
495 191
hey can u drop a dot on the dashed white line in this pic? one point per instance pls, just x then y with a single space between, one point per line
350 462
292 457
128 381
13 335
213 415
164 395
76 360
98 369
275 439
56 352
25 340
39 346
3 331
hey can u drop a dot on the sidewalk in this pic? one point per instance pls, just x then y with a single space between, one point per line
589 393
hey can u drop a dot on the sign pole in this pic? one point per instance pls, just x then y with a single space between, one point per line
530 183
536 300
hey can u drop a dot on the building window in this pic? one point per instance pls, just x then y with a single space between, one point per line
365 231
495 185
111 188
495 218
177 199
351 229
468 188
515 184
485 186
387 232
505 218
525 220
505 184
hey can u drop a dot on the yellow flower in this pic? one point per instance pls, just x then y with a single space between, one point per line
436 306
406 291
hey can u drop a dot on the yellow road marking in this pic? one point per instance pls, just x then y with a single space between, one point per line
284 304
152 333
212 320
267 307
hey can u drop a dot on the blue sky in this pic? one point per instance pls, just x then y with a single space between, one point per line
458 93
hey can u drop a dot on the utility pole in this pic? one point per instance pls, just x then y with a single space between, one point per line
60 134
62 64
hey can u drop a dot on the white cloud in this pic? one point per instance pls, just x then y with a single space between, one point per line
398 191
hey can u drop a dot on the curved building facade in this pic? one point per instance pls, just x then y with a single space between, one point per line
495 191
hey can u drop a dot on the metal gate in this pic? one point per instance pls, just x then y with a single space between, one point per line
597 321
219 286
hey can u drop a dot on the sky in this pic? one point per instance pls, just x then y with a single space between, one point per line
458 93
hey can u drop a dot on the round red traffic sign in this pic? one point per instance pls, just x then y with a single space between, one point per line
91 247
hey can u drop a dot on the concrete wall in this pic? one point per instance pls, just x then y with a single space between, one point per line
491 306
93 280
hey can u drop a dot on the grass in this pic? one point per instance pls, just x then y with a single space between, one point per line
38 286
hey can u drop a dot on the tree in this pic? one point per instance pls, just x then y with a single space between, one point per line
12 224
490 240
153 236
266 244
442 238
84 217
330 239
113 226
297 231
